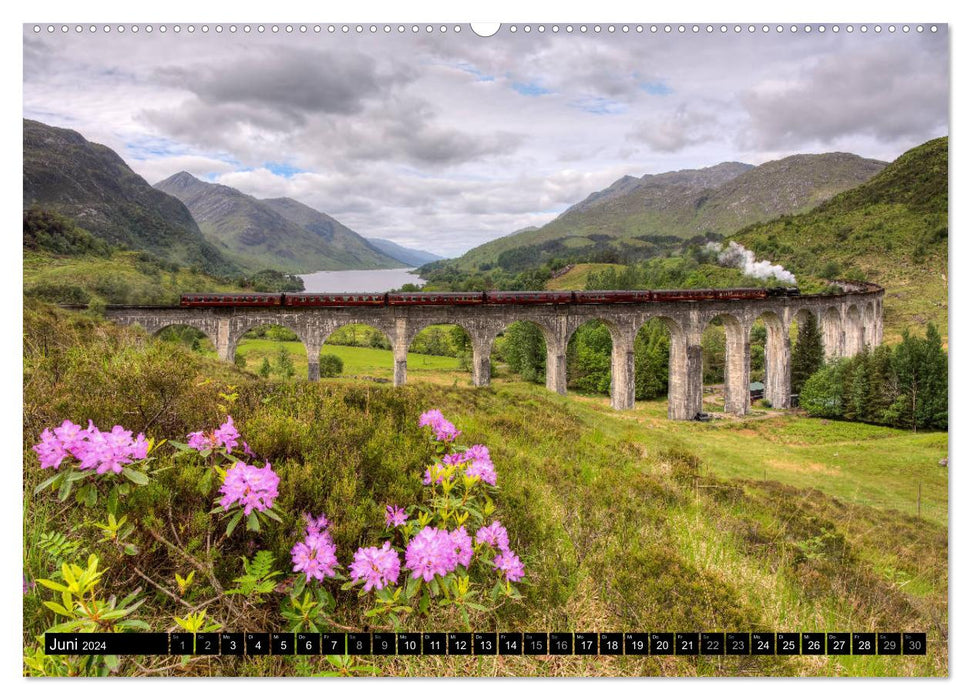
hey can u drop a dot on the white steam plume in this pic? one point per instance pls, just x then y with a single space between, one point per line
738 256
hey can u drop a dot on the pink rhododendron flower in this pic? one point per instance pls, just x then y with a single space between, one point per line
225 436
50 450
480 464
72 436
92 448
509 565
463 546
376 567
494 535
251 487
444 430
431 552
316 555
394 516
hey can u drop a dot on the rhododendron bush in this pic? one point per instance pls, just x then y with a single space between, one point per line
447 552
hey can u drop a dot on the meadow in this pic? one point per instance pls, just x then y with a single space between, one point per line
624 521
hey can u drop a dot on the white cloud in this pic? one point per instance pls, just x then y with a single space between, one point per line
449 141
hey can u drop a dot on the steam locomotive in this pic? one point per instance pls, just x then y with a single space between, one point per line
632 296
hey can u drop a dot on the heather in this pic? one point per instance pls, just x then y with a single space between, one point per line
617 521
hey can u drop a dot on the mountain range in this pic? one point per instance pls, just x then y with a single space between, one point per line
716 200
282 233
409 256
187 221
892 230
92 185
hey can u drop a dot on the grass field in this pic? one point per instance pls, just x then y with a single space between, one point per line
624 521
576 278
358 362
861 463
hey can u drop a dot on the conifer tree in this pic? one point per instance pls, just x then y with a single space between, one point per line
807 356
932 409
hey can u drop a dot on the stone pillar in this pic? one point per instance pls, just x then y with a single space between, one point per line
832 336
399 347
738 361
481 361
778 367
878 323
556 366
224 348
622 372
693 372
677 379
313 361
855 336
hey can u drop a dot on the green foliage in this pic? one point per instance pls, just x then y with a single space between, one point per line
258 577
920 367
905 386
80 608
524 350
822 393
58 547
442 340
59 293
284 364
652 347
308 609
265 368
331 366
48 231
196 622
279 334
588 358
358 335
272 281
807 353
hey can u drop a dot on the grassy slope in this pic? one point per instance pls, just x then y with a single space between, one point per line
600 505
120 271
892 229
666 205
576 278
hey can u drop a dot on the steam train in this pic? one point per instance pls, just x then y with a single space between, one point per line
632 296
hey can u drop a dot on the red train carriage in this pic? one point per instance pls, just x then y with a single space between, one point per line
528 297
231 299
434 298
625 296
661 295
733 294
348 299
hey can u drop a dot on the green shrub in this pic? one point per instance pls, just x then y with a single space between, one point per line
331 366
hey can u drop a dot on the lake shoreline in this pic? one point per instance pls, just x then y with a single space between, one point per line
368 281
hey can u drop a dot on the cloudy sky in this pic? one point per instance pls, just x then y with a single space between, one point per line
445 141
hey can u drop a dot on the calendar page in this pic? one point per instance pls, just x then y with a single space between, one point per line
439 349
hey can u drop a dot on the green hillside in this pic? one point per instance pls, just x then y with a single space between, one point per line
891 230
65 264
281 234
624 521
633 214
91 184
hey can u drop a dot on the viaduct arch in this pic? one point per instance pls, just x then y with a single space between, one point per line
849 321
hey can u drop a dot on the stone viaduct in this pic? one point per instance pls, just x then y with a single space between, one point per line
848 321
